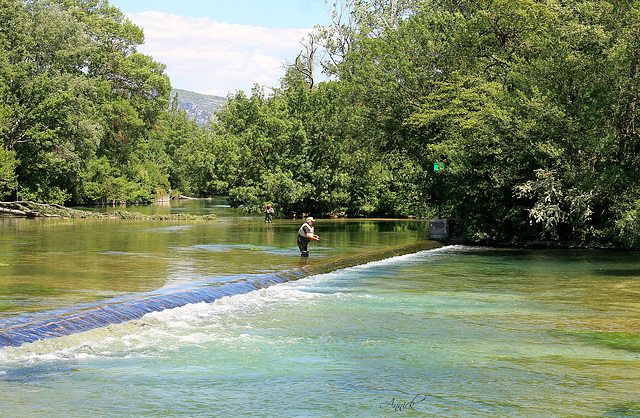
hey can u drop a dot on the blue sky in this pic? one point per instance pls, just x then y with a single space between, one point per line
216 47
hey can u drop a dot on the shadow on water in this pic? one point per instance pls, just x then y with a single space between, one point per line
19 330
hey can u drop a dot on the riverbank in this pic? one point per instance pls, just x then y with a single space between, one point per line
28 209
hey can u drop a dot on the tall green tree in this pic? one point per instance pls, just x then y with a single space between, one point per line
76 91
514 97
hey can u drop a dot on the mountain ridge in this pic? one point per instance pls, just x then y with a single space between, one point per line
199 107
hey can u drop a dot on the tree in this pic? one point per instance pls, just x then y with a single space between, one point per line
75 90
497 91
7 171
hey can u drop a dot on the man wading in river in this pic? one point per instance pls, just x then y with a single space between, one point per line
305 235
268 214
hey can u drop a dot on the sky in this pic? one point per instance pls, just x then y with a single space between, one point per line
221 46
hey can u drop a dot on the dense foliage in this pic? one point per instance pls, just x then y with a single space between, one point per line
527 106
78 104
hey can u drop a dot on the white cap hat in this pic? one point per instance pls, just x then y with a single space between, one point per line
310 219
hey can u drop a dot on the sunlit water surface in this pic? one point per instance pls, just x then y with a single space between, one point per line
457 331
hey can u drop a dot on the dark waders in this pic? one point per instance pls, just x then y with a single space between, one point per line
303 243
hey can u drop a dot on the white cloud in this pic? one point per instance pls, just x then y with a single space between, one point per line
214 58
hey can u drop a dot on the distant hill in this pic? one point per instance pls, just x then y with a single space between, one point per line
200 107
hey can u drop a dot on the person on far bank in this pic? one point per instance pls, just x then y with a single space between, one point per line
305 235
268 214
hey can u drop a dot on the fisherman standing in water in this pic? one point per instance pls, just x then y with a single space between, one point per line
305 235
268 214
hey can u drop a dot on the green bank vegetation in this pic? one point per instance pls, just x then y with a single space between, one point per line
528 108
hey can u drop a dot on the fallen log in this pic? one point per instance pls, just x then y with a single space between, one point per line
27 209
14 212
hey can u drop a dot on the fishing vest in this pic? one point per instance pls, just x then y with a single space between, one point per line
301 230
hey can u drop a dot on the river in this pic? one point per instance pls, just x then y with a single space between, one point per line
452 331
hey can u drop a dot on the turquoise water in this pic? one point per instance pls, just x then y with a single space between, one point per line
457 331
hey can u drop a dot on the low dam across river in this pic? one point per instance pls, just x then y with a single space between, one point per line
25 329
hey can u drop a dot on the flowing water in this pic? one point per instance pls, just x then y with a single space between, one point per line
455 331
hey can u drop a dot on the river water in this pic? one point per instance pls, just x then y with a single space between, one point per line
454 331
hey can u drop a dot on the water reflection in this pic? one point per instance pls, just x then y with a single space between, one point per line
81 261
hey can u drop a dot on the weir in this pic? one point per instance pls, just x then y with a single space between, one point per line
17 331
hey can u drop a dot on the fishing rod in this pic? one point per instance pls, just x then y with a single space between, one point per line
348 242
359 243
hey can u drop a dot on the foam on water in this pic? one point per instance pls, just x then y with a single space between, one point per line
351 342
195 323
198 323
169 329
17 331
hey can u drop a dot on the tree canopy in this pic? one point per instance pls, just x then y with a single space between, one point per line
78 102
527 107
